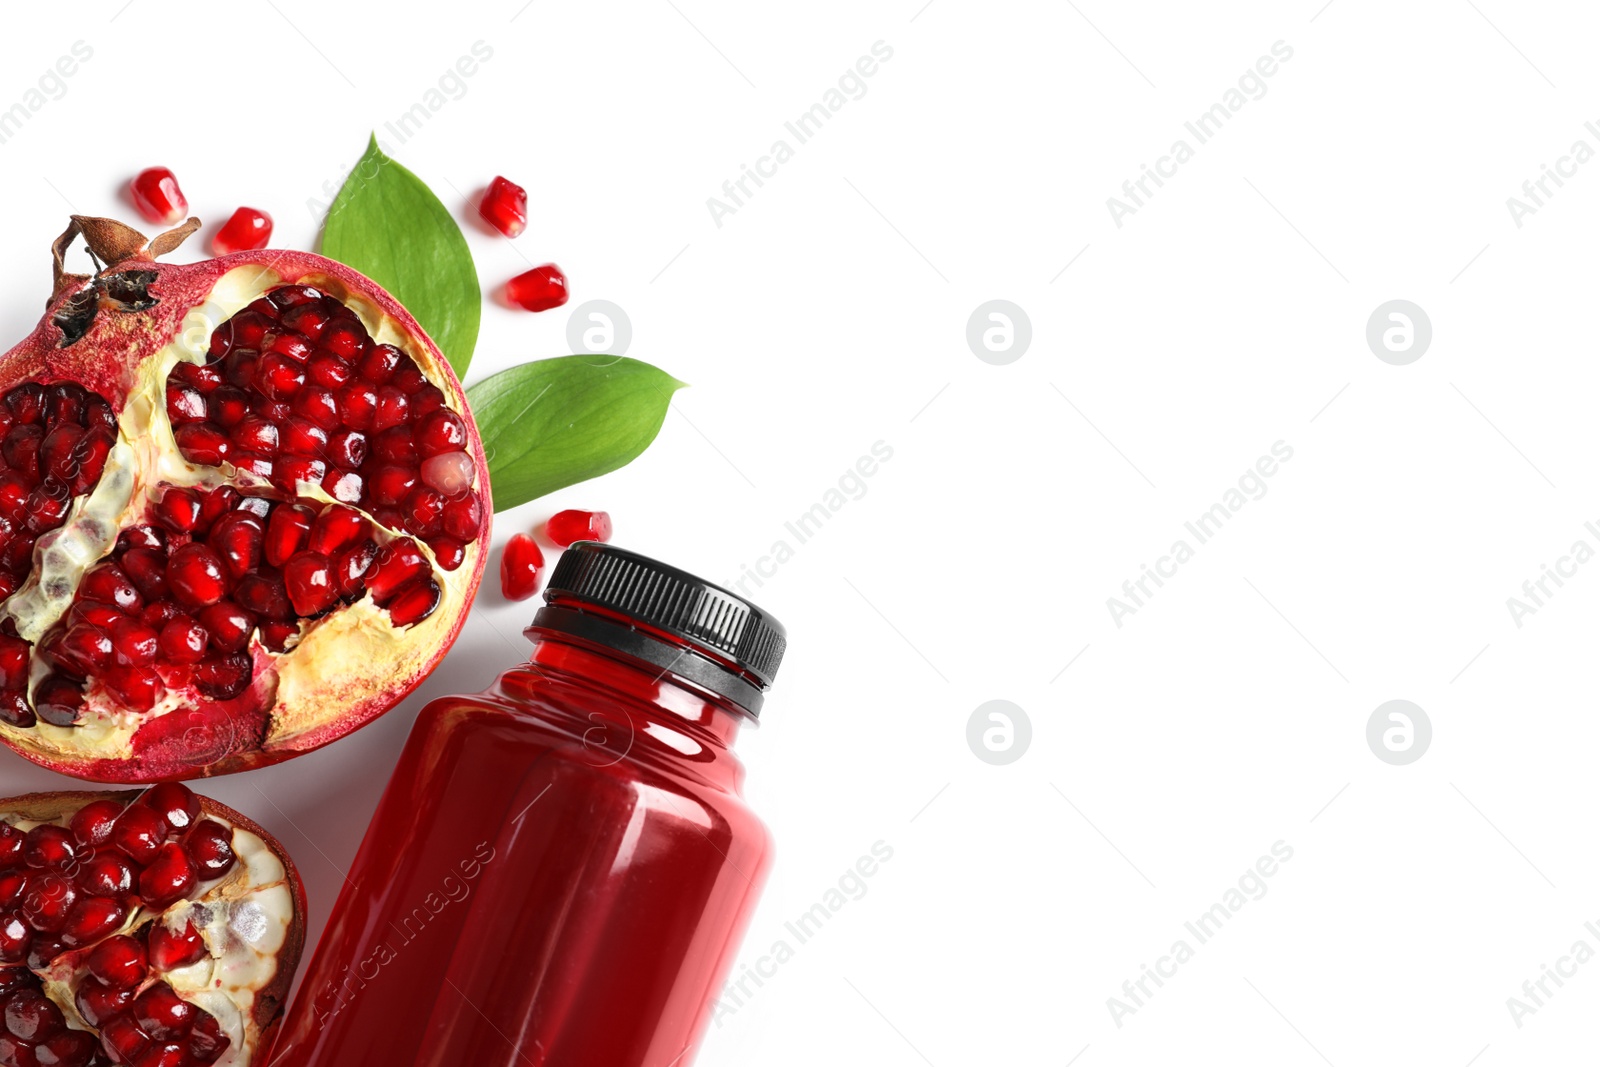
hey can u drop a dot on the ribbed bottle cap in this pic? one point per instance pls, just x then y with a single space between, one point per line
662 598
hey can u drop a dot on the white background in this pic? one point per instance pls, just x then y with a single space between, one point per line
829 313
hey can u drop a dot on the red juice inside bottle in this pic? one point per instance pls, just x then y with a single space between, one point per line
561 867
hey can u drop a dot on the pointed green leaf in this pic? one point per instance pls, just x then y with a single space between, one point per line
389 226
555 422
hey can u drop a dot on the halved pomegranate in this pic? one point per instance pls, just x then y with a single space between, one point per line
141 928
242 511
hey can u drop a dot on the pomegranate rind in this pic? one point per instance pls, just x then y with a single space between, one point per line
349 667
267 1010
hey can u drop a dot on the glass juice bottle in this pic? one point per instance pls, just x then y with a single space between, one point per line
562 866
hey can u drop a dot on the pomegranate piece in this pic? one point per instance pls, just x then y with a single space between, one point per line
156 194
565 527
505 207
520 563
540 289
215 555
248 230
127 949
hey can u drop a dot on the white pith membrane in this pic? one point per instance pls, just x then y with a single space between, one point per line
338 659
243 918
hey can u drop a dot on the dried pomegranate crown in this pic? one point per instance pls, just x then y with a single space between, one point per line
243 510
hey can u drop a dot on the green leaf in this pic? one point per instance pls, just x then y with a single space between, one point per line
389 226
556 422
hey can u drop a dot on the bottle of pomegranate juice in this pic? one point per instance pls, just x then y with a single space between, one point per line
562 866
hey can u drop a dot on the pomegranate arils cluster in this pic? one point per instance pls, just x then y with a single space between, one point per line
296 391
70 892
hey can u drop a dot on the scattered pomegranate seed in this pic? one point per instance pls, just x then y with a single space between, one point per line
158 198
540 289
505 207
248 230
520 563
565 527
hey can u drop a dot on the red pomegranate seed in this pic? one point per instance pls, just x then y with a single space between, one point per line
263 594
345 339
347 449
223 677
380 363
195 575
107 875
344 486
139 832
168 877
505 207
415 602
156 194
393 407
350 566
565 527
14 708
540 289
395 445
203 443
423 509
463 517
309 579
295 345
237 537
136 687
230 626
48 846
390 485
520 563
45 905
69 1048
210 847
183 640
90 919
277 635
358 402
441 431
58 700
133 644
120 1035
448 472
120 962
219 502
207 1042
248 230
146 568
302 437
252 433
98 1002
175 803
32 1016
277 377
335 528
13 662
162 1013
92 823
169 951
449 552
287 531
316 404
15 938
10 846
184 403
397 563
285 297
107 584
326 369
